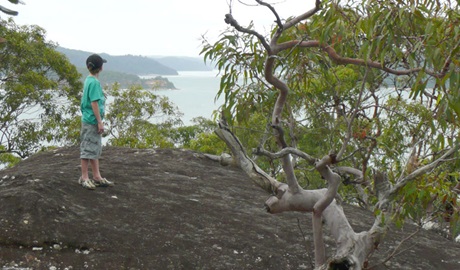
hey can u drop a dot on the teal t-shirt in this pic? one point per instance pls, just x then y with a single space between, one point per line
92 91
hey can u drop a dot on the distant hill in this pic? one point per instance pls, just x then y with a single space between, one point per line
183 63
138 65
125 80
141 65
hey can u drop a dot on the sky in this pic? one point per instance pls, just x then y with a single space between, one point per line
145 27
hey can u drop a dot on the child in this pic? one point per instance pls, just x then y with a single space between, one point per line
92 109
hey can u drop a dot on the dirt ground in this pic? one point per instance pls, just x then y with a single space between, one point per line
169 209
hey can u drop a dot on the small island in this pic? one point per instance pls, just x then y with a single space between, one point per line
109 77
158 83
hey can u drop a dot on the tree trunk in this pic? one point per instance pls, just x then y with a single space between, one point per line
352 248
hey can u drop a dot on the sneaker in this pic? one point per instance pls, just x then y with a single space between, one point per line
88 184
103 183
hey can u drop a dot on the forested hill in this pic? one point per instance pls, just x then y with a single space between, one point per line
140 65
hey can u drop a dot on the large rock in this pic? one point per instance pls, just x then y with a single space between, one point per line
169 209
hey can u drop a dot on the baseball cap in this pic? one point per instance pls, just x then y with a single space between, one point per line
95 61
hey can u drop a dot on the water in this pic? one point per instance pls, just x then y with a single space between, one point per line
195 95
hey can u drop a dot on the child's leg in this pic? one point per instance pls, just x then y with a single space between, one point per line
84 169
95 169
98 180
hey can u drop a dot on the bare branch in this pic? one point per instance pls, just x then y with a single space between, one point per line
350 170
322 166
334 56
284 152
8 11
420 171
353 116
381 184
224 159
395 250
244 162
231 21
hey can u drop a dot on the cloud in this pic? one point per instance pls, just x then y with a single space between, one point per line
140 27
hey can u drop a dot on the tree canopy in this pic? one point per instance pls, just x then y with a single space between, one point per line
39 92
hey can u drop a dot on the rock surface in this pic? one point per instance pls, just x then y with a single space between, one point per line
169 209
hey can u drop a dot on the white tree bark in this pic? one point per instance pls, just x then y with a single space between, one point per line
352 248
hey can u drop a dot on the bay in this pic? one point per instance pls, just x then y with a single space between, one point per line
195 94
194 97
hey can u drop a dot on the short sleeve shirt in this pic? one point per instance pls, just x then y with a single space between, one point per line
92 91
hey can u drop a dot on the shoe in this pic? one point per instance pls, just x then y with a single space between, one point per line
103 183
88 184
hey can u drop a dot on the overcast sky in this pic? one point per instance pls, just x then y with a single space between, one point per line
144 27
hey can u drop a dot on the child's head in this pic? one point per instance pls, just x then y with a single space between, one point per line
94 63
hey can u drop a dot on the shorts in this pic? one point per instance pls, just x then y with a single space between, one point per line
91 142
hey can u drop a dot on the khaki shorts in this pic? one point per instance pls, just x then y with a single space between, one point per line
91 142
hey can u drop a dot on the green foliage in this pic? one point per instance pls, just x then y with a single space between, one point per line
238 60
140 119
429 199
185 136
385 120
39 91
208 143
8 159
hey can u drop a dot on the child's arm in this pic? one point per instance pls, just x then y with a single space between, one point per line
100 125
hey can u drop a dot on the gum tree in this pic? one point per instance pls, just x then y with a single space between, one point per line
39 93
361 93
